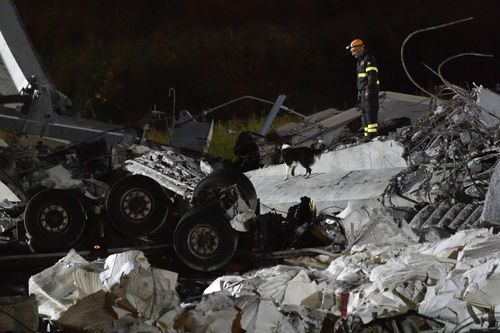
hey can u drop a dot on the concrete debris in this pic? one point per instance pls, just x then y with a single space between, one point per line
329 124
400 232
491 212
417 244
176 172
438 280
92 295
488 101
59 177
55 288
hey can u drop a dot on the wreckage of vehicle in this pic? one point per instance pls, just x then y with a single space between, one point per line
79 183
158 192
387 254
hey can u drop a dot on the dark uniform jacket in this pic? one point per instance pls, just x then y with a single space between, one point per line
368 86
367 82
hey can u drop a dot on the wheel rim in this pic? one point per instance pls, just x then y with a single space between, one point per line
54 218
136 205
203 241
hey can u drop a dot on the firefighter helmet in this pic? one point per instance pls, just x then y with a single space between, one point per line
356 42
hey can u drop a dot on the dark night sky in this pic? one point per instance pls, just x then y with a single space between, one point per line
122 56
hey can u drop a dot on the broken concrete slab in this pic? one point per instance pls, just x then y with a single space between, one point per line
92 314
302 291
133 286
489 102
373 155
491 210
267 318
396 105
355 173
60 177
54 287
328 124
7 194
176 172
327 190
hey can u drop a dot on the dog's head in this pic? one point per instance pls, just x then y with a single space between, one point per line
319 146
285 146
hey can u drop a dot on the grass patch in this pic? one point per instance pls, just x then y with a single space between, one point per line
226 132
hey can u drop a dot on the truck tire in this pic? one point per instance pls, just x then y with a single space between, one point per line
54 220
222 178
204 240
137 205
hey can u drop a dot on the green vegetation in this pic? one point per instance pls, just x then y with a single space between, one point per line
226 132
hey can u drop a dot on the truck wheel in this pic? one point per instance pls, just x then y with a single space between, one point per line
54 220
222 178
137 205
204 240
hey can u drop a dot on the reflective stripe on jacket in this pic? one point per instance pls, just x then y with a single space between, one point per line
367 81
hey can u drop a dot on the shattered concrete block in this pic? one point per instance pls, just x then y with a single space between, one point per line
490 102
491 210
409 266
128 276
248 305
150 291
441 303
54 287
215 302
485 246
213 322
171 321
7 194
59 177
268 319
483 285
450 247
129 324
304 319
274 287
92 314
233 283
302 291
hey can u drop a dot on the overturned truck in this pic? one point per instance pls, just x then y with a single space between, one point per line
160 197
76 194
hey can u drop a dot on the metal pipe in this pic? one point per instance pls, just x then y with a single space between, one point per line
282 107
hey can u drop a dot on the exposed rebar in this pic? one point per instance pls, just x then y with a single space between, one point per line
419 31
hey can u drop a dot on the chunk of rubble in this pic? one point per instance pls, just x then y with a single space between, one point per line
74 290
491 212
176 172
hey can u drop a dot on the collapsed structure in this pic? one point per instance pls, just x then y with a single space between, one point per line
400 233
418 247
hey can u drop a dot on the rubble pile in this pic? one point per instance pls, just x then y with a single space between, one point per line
101 296
176 172
423 255
425 262
452 157
449 284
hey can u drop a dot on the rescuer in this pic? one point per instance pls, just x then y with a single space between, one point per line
367 86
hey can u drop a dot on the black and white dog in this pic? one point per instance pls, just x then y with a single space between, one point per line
306 156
